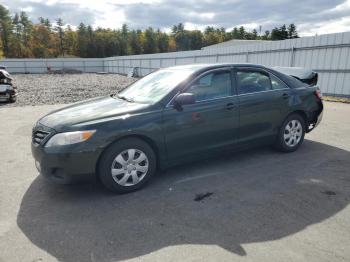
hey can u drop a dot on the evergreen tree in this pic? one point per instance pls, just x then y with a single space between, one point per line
292 31
82 41
150 42
6 27
60 31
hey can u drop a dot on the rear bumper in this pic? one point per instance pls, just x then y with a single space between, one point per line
315 118
64 165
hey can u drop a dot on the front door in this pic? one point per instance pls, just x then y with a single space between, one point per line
210 123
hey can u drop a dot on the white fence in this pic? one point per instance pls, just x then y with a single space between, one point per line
326 54
329 55
42 65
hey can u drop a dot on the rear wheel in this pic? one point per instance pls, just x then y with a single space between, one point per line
127 165
291 134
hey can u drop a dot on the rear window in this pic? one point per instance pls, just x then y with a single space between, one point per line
296 82
252 82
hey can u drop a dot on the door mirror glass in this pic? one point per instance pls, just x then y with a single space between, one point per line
184 99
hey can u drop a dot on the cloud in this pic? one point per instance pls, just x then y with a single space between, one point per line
71 13
267 13
311 16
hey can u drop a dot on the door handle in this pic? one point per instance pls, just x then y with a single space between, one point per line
196 116
285 95
230 106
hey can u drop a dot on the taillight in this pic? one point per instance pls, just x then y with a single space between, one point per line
318 93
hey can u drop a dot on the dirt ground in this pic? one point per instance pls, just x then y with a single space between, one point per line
258 205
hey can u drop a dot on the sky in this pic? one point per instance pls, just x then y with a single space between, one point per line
311 16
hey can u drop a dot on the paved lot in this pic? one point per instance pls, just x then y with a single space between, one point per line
265 206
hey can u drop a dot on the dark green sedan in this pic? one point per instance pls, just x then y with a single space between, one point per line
171 116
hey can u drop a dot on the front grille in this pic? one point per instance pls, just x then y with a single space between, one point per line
39 136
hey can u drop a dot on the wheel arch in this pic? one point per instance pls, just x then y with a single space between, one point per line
302 114
144 138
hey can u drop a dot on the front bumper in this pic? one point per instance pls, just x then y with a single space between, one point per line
65 165
8 93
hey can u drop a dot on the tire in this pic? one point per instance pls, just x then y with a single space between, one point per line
13 99
127 165
291 134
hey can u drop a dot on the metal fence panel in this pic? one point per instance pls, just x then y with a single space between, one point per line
42 65
329 55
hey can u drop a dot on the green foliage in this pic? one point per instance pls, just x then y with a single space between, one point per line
20 38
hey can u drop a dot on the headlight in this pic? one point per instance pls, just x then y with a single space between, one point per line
69 138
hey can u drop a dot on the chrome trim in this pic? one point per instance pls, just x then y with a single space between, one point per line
262 92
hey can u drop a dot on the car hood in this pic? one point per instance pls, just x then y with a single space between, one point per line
88 111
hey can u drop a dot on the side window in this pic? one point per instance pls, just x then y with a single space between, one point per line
252 81
277 84
212 85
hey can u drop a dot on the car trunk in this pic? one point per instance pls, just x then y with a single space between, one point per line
303 74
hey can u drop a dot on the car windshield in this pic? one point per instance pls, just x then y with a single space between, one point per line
153 87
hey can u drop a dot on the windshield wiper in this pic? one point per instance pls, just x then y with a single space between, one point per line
125 98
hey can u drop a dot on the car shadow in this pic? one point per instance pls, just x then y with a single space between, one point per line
253 196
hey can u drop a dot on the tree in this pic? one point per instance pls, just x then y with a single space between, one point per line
196 40
20 37
135 41
60 32
27 27
16 44
163 41
292 31
179 35
124 40
82 41
266 36
241 32
235 33
150 41
70 41
5 29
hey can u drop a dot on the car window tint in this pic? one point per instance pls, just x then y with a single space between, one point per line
252 81
212 85
277 84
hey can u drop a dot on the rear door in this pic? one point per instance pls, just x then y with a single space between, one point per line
263 101
210 123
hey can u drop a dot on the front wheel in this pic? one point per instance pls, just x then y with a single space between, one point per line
291 134
127 165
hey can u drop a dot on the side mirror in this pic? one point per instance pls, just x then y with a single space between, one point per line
184 99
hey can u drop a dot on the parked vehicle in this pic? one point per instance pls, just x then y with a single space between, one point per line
171 116
8 91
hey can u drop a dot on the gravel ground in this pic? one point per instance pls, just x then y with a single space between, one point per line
40 89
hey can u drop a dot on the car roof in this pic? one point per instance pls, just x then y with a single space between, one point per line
196 67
